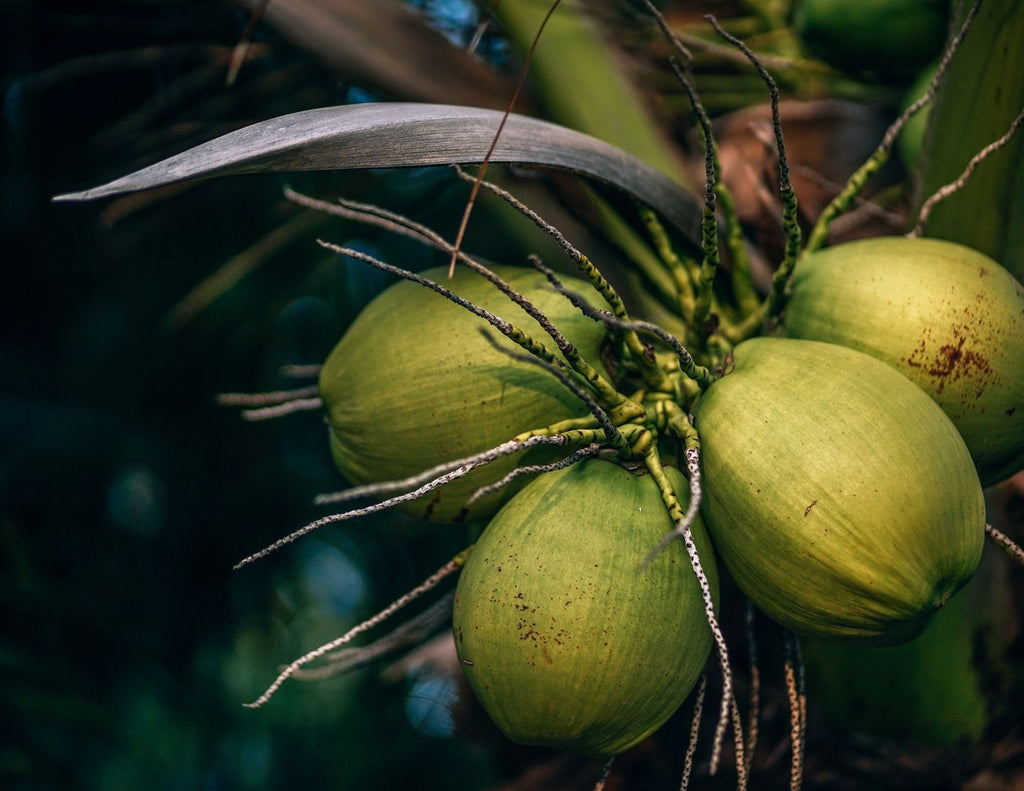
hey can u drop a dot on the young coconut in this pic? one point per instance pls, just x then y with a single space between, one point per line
414 384
565 636
839 496
946 316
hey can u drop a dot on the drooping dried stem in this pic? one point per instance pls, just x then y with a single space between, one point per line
273 404
691 745
466 466
1006 543
300 371
796 695
755 686
427 585
587 452
408 633
287 408
606 770
728 710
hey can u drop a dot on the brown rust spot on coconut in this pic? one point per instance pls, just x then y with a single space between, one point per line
959 358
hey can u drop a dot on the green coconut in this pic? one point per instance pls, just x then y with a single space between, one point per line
414 384
565 636
946 316
838 495
887 39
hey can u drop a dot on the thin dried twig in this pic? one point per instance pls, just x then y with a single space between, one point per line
466 466
427 585
1006 543
691 746
408 633
953 187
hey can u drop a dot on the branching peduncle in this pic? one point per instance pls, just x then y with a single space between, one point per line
709 220
639 353
842 202
606 393
698 373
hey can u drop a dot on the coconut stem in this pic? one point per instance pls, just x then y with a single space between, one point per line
790 208
612 434
605 391
842 202
709 219
427 585
684 274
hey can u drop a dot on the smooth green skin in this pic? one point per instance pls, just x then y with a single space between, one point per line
838 495
927 689
413 384
947 317
564 636
885 38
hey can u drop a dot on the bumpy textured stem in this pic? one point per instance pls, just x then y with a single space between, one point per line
682 277
683 530
583 263
709 219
